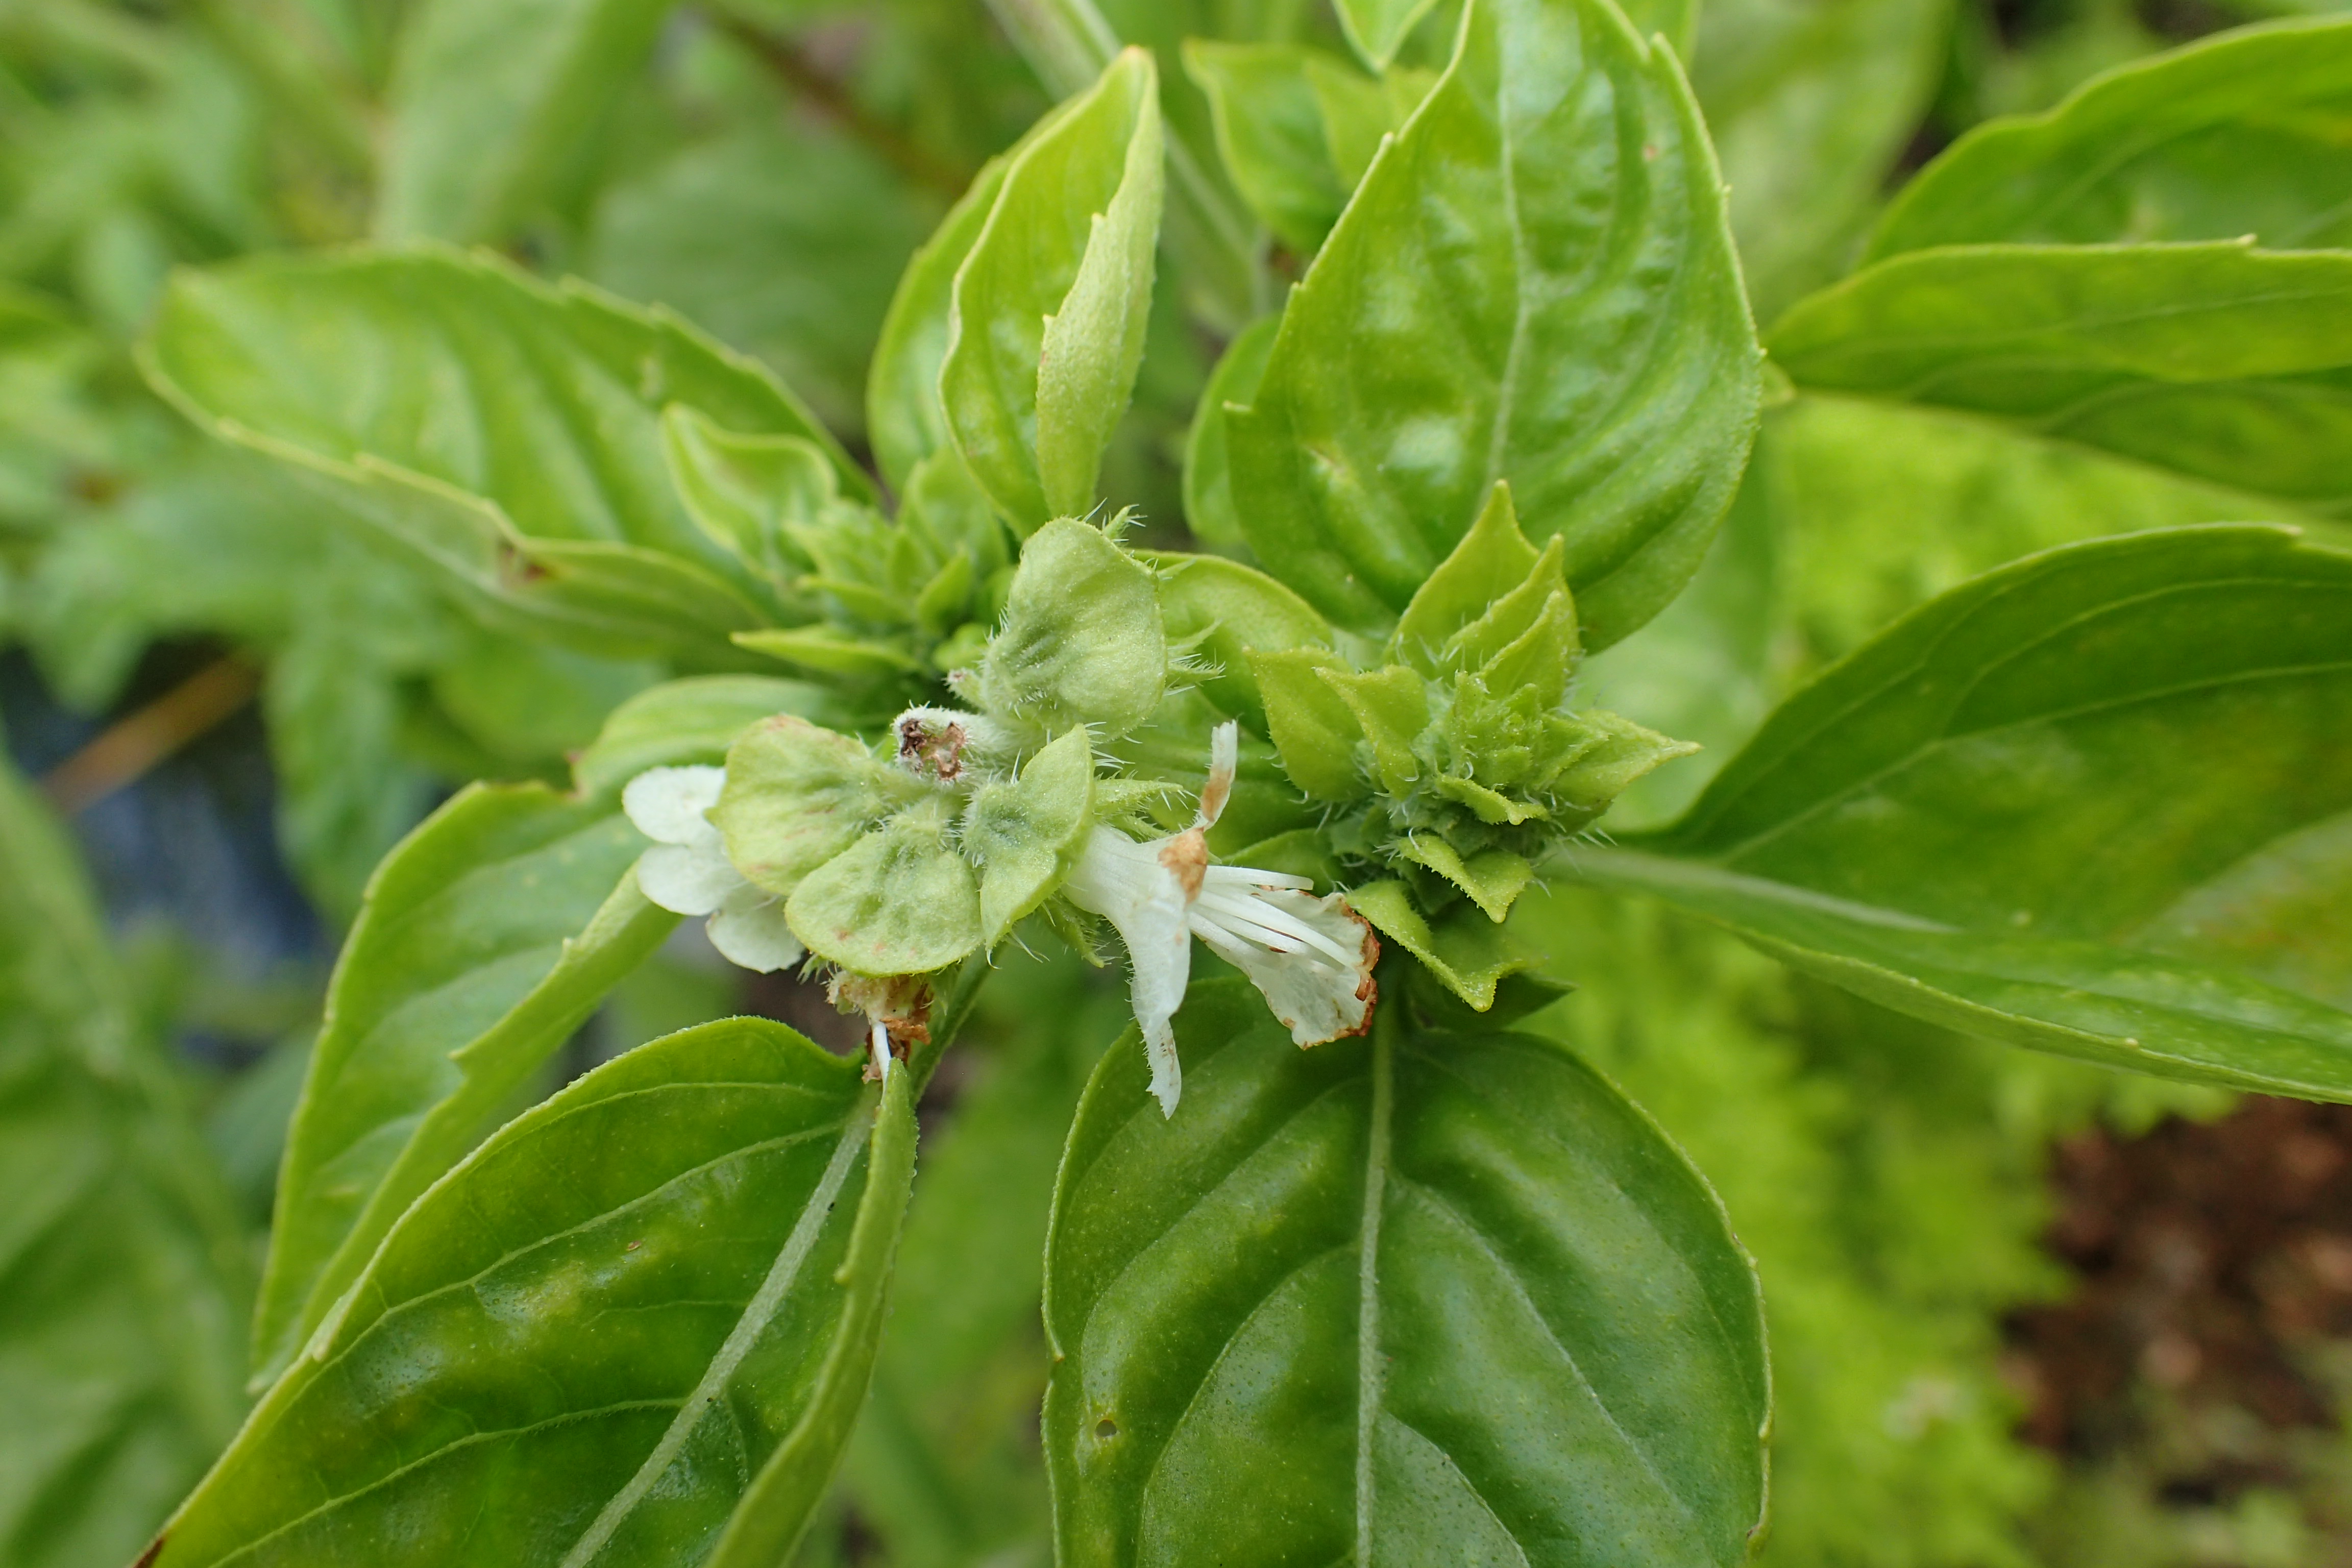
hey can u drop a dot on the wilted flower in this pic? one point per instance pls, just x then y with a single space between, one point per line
688 871
1311 958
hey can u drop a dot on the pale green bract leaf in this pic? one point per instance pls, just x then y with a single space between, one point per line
1045 330
798 794
900 900
1423 1298
489 97
542 496
1454 331
2217 360
1025 834
1081 641
702 1231
2235 135
2052 806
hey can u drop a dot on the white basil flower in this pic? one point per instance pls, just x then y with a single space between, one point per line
1311 958
687 871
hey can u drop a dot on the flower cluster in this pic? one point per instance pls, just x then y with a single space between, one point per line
902 860
1456 764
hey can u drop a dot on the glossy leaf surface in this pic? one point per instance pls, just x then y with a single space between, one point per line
1533 283
2216 360
490 97
1045 330
487 937
656 1296
1414 1298
2237 135
504 430
2042 806
467 939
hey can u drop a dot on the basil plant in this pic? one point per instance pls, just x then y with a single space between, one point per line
1342 1266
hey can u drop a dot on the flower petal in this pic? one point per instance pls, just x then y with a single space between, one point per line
1224 763
666 804
1316 999
688 880
749 931
1126 884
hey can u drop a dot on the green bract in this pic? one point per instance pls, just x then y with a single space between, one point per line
1457 764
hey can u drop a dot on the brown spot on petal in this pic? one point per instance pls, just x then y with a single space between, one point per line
1187 856
1213 795
1368 990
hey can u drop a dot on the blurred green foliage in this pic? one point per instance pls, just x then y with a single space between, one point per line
765 167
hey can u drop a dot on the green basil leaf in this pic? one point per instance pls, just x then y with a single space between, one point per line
1359 113
1209 508
1269 127
1448 335
489 97
2042 807
1376 27
2233 135
743 489
1810 106
487 937
1228 612
1070 44
122 1259
1422 1298
542 494
632 1326
903 418
1047 327
2120 1005
775 1512
2216 360
941 1466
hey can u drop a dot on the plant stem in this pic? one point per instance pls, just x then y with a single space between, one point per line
125 750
